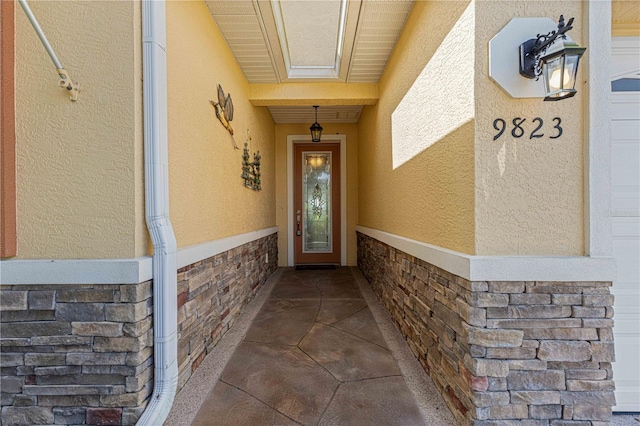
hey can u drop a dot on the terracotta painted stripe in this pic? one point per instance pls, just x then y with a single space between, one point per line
8 239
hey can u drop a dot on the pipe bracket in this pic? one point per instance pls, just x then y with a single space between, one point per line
66 82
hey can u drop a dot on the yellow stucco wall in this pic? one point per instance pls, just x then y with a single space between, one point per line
351 132
529 192
425 194
79 175
80 165
208 200
625 18
429 168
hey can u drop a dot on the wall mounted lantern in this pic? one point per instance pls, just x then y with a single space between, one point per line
316 128
555 57
552 54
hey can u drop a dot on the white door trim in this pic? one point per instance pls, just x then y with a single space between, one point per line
342 140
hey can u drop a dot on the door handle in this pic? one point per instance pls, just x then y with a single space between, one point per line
298 232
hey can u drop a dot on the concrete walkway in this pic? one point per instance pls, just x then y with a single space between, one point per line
321 350
314 347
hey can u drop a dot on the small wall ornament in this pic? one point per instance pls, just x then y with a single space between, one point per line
224 111
251 169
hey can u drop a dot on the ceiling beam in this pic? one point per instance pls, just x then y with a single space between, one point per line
306 94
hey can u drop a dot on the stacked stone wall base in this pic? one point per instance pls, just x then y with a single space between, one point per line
76 354
83 354
211 295
501 353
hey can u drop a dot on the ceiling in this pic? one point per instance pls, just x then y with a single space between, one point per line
281 41
328 114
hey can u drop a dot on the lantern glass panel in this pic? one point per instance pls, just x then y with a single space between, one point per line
553 74
571 69
559 77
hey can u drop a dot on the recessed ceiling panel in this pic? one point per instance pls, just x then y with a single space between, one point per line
311 29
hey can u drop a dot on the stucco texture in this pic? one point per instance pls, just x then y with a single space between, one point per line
208 199
426 194
351 132
79 180
529 192
321 94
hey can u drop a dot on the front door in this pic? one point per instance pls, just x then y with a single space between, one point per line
316 203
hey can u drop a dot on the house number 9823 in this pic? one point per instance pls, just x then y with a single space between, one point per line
518 131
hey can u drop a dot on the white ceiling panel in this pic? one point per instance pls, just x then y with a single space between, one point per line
241 27
381 23
235 7
326 114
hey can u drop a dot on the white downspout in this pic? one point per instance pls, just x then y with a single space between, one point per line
165 321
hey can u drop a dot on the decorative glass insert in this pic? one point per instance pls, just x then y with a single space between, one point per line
316 198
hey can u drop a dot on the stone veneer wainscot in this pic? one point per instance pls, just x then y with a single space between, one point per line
83 354
212 293
76 354
501 353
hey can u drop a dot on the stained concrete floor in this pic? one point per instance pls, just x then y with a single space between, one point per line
314 355
314 347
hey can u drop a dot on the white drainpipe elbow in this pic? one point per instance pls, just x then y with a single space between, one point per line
156 161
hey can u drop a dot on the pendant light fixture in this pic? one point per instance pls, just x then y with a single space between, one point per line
316 128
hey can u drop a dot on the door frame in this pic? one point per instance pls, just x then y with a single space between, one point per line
342 140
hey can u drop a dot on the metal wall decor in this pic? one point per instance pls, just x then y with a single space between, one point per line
251 169
224 110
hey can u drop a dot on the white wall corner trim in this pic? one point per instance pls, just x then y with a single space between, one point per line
597 157
113 271
192 254
501 268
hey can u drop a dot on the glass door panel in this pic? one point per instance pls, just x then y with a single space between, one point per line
316 193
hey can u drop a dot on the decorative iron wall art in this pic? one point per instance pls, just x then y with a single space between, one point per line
251 169
224 111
